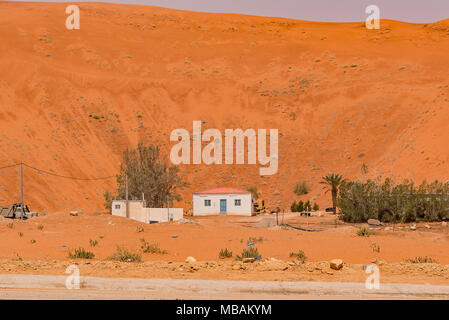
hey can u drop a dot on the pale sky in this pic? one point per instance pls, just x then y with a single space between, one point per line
315 10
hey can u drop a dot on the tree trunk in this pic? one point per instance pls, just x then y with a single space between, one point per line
334 201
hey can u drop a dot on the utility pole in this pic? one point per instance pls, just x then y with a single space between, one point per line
21 189
126 186
168 210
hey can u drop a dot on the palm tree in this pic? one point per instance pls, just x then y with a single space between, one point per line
333 182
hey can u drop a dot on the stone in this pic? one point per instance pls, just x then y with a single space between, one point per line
379 262
374 222
190 260
336 264
236 267
427 226
248 260
444 224
413 227
387 229
74 213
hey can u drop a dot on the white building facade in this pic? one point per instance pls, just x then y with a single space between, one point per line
137 211
222 201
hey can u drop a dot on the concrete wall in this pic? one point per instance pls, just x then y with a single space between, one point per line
199 208
134 208
162 214
138 212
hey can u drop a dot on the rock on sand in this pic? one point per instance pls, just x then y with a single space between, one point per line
336 264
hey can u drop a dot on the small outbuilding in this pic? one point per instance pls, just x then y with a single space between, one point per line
222 201
137 211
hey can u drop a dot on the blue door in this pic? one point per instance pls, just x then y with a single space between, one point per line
223 206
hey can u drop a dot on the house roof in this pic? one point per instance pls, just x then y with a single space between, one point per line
222 191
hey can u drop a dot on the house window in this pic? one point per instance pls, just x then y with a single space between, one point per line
117 206
207 203
237 202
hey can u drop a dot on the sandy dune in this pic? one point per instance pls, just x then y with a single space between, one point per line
341 96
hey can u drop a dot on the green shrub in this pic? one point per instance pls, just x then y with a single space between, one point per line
124 255
300 255
363 232
293 207
316 207
81 254
10 225
388 202
40 227
225 253
248 253
151 247
93 243
301 188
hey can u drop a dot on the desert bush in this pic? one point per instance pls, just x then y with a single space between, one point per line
297 207
300 255
387 202
80 253
225 253
40 227
125 255
375 247
255 240
10 225
93 243
363 232
151 247
422 260
301 188
316 207
248 253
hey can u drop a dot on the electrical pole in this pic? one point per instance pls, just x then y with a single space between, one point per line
21 189
126 185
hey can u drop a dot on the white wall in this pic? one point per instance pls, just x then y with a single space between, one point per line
138 212
162 214
134 208
199 209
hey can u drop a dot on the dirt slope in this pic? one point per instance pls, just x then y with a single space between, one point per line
341 96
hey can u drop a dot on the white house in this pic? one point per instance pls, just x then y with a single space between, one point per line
137 211
223 201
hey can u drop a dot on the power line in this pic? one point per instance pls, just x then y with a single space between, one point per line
57 175
67 177
10 166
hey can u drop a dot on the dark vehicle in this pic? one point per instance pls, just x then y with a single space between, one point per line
329 209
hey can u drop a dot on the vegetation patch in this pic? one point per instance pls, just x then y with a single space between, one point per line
124 255
225 253
151 247
422 260
363 232
301 188
300 255
80 253
389 202
248 253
